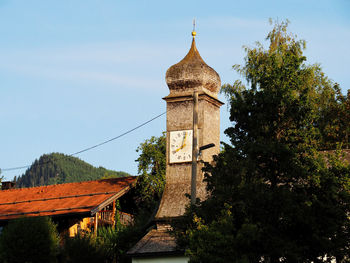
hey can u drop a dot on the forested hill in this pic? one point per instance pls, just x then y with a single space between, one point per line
57 168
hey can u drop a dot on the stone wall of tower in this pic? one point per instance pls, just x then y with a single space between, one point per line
180 117
210 127
184 78
178 175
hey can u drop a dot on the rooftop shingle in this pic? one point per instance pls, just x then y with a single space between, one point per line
71 198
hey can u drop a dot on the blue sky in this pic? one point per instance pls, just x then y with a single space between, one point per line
76 73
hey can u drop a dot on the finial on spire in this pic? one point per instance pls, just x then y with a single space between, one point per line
194 28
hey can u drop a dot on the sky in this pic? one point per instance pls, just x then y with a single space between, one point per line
74 74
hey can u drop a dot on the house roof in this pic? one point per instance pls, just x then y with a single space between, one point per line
72 198
155 242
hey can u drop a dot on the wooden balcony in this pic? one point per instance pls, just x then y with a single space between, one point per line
107 217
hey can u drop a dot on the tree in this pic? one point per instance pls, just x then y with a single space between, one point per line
32 239
334 122
151 170
83 248
274 197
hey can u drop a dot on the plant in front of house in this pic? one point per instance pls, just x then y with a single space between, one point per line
32 239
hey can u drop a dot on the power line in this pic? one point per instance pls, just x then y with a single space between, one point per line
117 137
91 147
14 168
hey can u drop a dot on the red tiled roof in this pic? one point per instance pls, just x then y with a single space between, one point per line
71 198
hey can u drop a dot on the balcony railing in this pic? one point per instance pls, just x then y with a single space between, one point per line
107 216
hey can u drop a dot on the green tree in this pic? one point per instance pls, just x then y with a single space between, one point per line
83 248
334 121
32 239
274 197
151 170
116 242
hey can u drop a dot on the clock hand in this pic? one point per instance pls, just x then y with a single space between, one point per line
183 143
182 146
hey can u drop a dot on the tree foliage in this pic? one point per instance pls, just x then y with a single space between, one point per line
274 196
118 241
83 248
33 239
151 170
58 168
110 245
334 121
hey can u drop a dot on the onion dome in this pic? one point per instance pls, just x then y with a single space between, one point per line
193 73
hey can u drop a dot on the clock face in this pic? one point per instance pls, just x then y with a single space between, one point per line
180 146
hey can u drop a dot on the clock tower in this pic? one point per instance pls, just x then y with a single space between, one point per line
193 120
191 75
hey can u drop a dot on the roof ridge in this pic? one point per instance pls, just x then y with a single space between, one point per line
59 197
55 185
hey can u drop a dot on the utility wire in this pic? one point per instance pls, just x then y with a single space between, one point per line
14 168
91 147
117 137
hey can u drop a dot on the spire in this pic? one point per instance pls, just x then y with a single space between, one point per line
193 73
193 54
194 29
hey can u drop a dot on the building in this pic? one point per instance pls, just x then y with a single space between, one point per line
193 121
73 206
